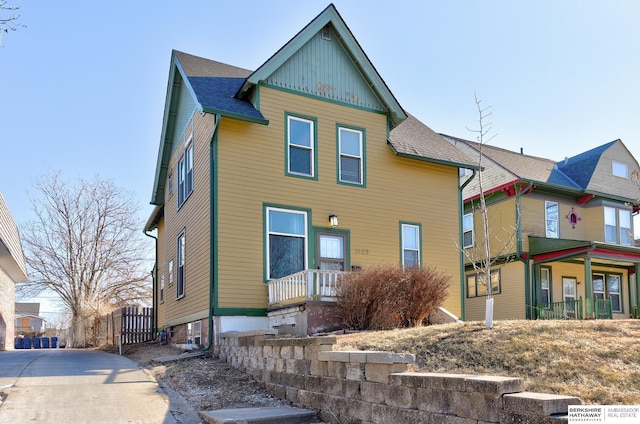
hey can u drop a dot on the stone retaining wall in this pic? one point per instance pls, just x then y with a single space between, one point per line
377 387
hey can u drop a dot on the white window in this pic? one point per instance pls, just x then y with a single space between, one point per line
626 233
569 297
181 264
545 285
185 175
613 287
351 161
170 272
598 286
286 242
551 219
467 230
300 146
610 225
410 245
619 169
194 333
162 287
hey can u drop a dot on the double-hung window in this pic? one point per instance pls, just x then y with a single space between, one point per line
607 286
477 284
301 146
162 287
181 263
287 236
617 226
545 285
467 230
351 165
185 174
410 244
551 214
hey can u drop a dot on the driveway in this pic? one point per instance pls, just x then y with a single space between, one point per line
77 386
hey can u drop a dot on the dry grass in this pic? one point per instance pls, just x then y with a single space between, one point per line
598 361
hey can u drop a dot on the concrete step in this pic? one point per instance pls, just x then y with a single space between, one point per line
265 415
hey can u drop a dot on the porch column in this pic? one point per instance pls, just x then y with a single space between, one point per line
637 280
588 289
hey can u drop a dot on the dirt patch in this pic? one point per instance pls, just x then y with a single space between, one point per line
205 383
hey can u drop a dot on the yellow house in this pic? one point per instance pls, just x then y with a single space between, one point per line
561 234
270 183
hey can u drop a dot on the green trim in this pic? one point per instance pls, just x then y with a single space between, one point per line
314 175
213 229
328 230
324 99
461 258
235 116
431 160
363 133
265 234
250 312
401 240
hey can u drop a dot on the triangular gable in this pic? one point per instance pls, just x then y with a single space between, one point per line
334 55
580 168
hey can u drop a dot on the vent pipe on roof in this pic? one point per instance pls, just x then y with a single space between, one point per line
521 151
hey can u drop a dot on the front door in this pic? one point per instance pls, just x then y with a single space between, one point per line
569 296
330 250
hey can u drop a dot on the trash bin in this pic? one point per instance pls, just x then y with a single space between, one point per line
17 343
26 343
54 342
36 342
45 342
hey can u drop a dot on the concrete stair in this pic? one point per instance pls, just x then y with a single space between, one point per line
264 415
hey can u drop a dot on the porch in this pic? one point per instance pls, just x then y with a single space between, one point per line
573 309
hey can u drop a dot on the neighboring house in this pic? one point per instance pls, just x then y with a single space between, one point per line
561 234
270 183
28 319
12 270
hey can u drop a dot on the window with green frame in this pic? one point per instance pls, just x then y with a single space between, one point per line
351 156
287 241
301 146
477 284
410 242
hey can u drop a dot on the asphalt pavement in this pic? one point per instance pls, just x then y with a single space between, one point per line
77 386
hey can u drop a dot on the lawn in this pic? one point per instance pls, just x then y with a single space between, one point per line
598 361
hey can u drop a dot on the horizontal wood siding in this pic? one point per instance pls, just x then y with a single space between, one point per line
502 230
161 272
252 173
193 217
603 179
509 303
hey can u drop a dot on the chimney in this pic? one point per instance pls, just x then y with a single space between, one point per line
521 151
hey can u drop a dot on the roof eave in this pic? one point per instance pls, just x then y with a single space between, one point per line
238 116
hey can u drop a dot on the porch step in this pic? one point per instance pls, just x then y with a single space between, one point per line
265 415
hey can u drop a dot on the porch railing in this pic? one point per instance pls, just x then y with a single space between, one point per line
310 284
569 309
602 308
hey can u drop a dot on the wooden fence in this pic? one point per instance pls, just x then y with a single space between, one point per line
127 325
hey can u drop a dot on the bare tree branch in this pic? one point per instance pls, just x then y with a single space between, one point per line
85 244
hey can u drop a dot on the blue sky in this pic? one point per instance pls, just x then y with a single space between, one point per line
82 88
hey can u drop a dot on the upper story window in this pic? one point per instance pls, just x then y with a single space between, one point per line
467 231
301 146
286 242
617 226
410 244
619 169
181 263
552 222
351 158
185 174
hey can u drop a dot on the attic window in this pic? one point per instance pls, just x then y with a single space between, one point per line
619 169
326 33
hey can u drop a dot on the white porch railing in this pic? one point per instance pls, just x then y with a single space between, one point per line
310 284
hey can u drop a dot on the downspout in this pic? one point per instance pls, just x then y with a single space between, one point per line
527 270
153 282
461 241
213 218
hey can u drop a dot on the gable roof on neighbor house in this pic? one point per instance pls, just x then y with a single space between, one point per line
11 254
227 90
506 167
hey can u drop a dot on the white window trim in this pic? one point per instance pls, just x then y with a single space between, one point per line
412 249
549 234
340 155
180 269
464 231
268 232
185 174
311 147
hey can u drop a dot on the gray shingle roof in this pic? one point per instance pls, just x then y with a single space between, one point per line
413 138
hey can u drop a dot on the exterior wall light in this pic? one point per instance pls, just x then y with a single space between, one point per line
333 220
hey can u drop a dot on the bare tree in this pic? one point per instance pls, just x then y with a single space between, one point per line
486 259
85 244
9 22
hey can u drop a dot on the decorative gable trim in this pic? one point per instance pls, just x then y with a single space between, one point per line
343 35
